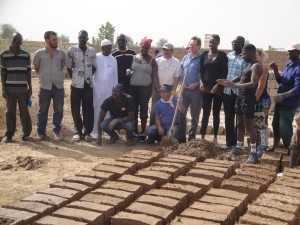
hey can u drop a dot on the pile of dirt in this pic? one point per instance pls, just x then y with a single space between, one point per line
201 149
26 162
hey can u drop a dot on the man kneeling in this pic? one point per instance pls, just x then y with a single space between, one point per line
121 108
164 112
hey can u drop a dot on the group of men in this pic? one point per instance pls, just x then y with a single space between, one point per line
100 84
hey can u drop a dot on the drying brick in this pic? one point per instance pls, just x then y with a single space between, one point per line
270 203
131 166
23 216
118 171
189 221
146 183
51 220
283 190
204 184
258 174
140 163
227 171
126 218
281 198
183 157
73 186
177 161
266 167
207 174
156 154
33 207
91 182
104 199
170 170
271 158
289 182
72 195
257 220
104 176
248 179
292 170
160 177
118 185
291 174
47 199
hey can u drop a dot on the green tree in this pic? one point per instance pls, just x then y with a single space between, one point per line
106 31
63 38
6 31
270 48
161 42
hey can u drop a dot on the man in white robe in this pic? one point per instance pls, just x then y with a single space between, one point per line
105 78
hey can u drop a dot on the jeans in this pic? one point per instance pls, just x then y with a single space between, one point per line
192 99
45 97
128 126
207 99
230 119
283 123
11 108
152 132
84 96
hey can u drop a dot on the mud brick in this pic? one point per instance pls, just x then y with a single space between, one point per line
51 220
189 221
156 154
107 210
204 184
283 151
224 162
21 217
33 207
257 220
294 209
281 198
139 156
10 221
293 175
126 218
91 182
182 169
119 203
285 162
164 202
207 174
140 163
292 170
220 218
131 166
90 217
118 185
258 175
283 190
192 191
230 194
73 186
146 183
289 182
104 176
127 196
261 167
272 214
177 161
181 197
160 177
72 195
264 184
47 199
253 190
183 157
271 158
118 171
170 170
237 204
227 171
217 208
166 215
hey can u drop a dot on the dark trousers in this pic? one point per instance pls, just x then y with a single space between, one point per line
207 100
82 96
192 99
45 97
230 119
141 96
283 123
11 108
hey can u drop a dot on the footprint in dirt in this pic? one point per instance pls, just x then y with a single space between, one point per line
28 162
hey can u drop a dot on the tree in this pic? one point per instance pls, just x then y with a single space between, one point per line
106 31
161 42
270 48
6 31
63 38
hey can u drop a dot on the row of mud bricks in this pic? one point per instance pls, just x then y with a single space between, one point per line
143 188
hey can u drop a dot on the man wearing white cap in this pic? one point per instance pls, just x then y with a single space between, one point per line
105 78
287 99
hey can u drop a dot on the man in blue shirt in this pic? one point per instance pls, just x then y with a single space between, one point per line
287 99
164 113
191 94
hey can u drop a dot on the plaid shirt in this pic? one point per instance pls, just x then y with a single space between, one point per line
236 66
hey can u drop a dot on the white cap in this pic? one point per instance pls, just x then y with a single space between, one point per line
295 46
168 46
105 42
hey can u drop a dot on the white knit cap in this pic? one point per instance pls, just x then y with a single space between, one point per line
105 42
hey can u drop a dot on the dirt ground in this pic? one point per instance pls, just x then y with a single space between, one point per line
29 167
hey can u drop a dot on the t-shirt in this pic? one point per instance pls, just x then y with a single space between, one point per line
166 112
118 109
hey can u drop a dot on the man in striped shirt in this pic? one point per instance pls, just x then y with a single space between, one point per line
16 87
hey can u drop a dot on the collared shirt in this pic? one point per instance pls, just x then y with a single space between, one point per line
51 68
168 70
192 64
82 64
290 80
17 68
236 66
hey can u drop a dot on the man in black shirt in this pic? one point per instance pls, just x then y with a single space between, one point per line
121 108
124 57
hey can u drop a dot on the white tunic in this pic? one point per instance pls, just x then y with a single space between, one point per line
105 78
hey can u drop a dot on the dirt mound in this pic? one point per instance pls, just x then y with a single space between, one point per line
201 149
27 162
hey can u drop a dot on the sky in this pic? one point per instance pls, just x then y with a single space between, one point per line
261 22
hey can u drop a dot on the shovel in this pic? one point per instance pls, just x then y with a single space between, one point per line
169 139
